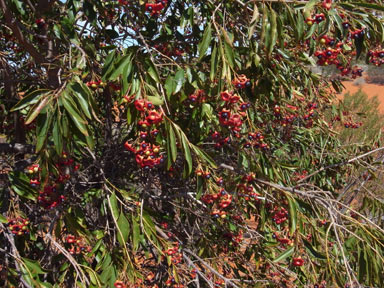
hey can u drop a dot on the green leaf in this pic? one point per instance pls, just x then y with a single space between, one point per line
42 127
123 224
287 253
172 142
203 155
228 38
313 251
107 68
19 6
368 5
379 27
300 26
309 6
229 55
264 23
90 140
120 67
254 20
187 153
273 32
292 214
155 100
30 99
20 184
82 98
199 187
3 219
33 266
135 233
114 207
36 109
152 71
214 63
179 79
204 44
74 114
64 125
170 86
310 32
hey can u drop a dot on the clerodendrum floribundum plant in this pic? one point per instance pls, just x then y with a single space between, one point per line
186 144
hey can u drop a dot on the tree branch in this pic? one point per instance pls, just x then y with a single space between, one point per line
14 25
17 148
341 164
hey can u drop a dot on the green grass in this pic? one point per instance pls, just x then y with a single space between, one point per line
361 108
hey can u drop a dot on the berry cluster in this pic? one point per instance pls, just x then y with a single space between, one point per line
76 245
49 196
201 173
300 175
283 241
197 97
328 41
357 72
310 112
327 4
328 56
8 124
156 7
231 120
241 82
357 34
171 282
349 123
149 113
220 141
41 24
119 284
353 125
95 84
147 153
255 139
221 199
18 226
169 50
33 169
318 18
245 188
280 215
234 239
297 261
322 285
376 57
322 222
287 118
174 253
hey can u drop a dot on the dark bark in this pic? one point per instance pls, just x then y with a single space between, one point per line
16 148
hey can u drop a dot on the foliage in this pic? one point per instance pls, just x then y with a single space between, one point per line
185 143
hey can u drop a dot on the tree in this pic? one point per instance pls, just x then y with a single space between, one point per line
185 143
